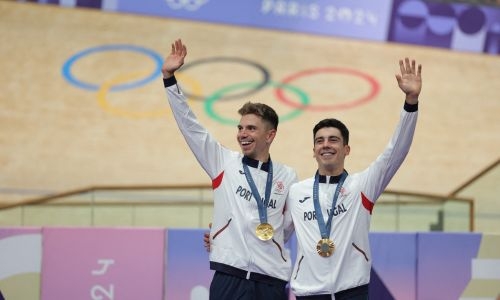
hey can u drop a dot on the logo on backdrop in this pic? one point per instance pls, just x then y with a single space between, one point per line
285 90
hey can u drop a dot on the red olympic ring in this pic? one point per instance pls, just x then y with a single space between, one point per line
374 89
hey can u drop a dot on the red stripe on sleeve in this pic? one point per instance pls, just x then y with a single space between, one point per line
217 180
367 203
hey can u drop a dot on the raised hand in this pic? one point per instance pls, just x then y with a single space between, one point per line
175 59
410 80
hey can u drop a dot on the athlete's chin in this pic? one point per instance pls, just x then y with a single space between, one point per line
247 152
328 164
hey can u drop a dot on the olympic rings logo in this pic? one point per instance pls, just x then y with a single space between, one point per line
230 92
304 99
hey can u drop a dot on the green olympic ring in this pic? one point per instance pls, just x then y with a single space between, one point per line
210 100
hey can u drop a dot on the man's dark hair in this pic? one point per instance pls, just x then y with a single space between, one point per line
262 110
333 123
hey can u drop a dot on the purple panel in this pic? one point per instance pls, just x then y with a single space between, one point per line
444 263
395 263
492 44
455 26
188 273
377 288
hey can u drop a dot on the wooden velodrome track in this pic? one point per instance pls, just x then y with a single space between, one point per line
58 135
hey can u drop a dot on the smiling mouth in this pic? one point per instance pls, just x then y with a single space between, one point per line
327 154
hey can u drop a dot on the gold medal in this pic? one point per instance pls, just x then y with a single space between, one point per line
325 247
264 231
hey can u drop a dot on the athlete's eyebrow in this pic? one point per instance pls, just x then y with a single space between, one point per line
249 126
329 137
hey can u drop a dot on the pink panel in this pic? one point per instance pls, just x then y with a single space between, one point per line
102 263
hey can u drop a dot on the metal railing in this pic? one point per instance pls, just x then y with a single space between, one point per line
190 206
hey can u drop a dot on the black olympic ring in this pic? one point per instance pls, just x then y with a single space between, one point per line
265 76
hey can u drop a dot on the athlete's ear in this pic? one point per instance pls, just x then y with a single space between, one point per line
271 134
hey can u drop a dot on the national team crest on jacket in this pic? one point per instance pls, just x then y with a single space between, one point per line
280 188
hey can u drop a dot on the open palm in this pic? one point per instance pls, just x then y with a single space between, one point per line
175 59
410 79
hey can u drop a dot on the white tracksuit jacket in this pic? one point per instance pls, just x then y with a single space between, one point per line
235 214
349 266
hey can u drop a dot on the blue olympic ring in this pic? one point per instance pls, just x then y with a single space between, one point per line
66 70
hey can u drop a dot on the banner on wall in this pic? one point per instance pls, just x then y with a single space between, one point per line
360 19
159 264
404 265
101 263
455 26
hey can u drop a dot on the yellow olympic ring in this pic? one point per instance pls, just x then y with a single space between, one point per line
193 84
121 112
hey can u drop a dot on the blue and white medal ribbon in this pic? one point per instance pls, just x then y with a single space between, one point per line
325 246
264 231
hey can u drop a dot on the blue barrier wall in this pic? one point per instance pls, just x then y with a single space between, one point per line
114 263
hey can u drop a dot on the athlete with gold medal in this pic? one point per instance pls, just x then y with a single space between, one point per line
247 237
331 211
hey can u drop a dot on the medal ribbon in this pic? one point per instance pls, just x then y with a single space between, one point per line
325 229
269 182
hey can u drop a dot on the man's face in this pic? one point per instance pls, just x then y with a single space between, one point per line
330 151
255 137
